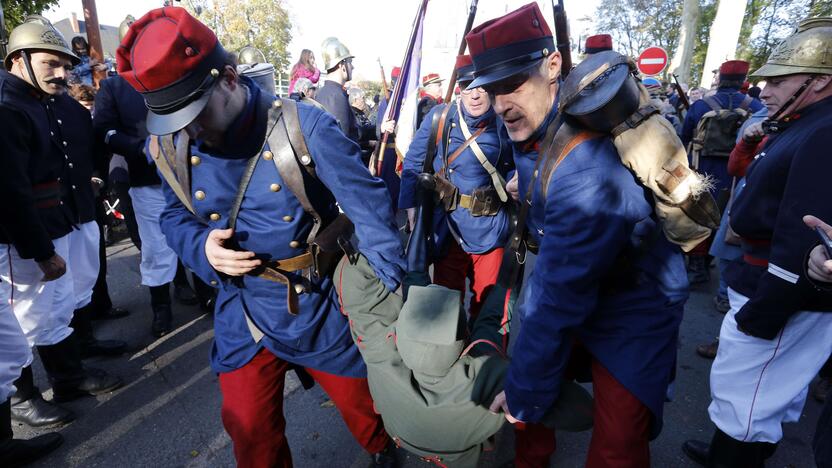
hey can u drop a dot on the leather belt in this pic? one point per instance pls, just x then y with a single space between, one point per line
466 201
278 271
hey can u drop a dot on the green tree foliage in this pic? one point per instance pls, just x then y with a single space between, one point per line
263 24
638 24
16 10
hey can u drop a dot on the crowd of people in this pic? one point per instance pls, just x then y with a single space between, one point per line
261 210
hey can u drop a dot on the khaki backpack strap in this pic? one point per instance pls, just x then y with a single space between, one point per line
746 102
713 103
496 178
157 152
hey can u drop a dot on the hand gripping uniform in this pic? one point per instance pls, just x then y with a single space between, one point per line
605 277
471 223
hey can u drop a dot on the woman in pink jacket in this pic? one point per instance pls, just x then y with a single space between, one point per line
305 68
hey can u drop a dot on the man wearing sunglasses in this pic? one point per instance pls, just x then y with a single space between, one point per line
605 280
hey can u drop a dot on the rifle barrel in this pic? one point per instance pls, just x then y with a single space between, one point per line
469 23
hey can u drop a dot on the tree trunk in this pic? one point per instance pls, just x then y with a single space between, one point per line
680 65
725 33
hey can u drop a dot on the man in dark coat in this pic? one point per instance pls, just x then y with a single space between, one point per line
338 63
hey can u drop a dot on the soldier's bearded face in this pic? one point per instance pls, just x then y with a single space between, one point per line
524 100
50 71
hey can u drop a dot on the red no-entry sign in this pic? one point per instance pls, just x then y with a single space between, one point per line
652 61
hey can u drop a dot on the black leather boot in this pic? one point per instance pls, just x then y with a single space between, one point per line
162 315
387 458
29 407
182 290
91 346
727 452
698 272
14 453
70 380
206 294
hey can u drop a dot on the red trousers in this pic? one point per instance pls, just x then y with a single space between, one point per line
252 411
620 436
458 265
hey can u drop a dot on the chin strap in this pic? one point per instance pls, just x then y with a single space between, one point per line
774 123
28 61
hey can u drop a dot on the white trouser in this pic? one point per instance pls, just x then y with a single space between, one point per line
15 352
83 254
159 261
757 384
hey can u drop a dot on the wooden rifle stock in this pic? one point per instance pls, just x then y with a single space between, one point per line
469 23
562 37
682 96
384 85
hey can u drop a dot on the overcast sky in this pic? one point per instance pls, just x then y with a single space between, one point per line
371 29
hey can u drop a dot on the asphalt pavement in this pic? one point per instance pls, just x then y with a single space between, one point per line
168 412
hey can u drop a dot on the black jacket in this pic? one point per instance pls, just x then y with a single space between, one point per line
121 108
33 162
335 100
787 180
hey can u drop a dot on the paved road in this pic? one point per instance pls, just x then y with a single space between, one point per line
168 413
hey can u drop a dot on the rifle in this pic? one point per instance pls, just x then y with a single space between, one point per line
419 243
682 96
469 23
562 37
4 41
384 85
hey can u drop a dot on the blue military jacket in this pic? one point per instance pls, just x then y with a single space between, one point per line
270 219
475 235
605 276
729 98
787 180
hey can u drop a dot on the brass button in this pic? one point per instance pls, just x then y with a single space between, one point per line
277 104
267 155
305 159
199 195
294 244
274 187
299 288
213 282
288 219
215 216
195 160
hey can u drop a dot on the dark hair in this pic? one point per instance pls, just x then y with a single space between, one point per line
78 41
754 92
82 92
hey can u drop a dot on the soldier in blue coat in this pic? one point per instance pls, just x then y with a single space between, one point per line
257 232
605 278
710 159
469 236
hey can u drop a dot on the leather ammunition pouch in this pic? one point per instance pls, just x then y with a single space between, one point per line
483 201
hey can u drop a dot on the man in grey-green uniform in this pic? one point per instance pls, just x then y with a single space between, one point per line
432 394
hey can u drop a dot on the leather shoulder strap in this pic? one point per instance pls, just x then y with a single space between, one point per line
567 138
292 125
289 164
437 131
158 148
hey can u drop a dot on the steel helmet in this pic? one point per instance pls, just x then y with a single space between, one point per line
334 52
250 54
36 32
805 51
124 26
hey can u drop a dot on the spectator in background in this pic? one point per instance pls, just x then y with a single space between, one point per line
303 88
366 129
305 68
754 92
84 94
696 94
83 72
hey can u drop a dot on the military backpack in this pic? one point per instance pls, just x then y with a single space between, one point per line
716 132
